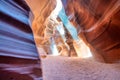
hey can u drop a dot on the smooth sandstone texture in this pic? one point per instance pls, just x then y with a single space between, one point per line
74 68
97 22
18 54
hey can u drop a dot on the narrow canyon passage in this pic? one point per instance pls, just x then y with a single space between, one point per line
27 26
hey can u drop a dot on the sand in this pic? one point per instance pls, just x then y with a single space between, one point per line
67 68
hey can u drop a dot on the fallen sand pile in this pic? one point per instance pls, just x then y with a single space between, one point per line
74 68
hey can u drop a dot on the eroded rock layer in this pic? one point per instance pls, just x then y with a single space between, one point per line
97 22
18 55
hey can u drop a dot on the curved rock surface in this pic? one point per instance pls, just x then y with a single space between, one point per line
18 54
97 22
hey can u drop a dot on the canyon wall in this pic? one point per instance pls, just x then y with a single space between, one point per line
97 23
18 54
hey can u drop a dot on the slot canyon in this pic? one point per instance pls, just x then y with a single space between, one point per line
59 40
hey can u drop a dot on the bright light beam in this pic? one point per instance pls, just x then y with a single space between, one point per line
73 32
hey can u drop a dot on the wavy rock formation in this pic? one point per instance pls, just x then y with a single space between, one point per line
18 54
41 10
97 23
